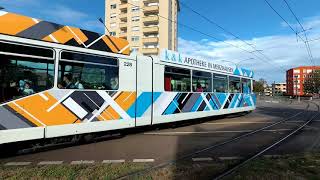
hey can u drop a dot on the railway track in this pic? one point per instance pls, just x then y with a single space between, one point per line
230 141
261 152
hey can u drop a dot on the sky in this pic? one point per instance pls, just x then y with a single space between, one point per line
253 21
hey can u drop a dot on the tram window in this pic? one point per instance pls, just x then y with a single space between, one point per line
89 58
201 81
88 76
22 76
220 83
234 85
26 50
177 79
246 85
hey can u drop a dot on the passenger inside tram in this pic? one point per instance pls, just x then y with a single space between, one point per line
14 91
114 83
206 88
27 89
78 84
67 80
199 88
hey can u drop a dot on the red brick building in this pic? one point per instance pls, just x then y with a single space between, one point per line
296 77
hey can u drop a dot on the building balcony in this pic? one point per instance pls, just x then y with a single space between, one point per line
151 30
123 17
123 26
151 20
123 36
150 40
150 1
123 7
151 9
154 51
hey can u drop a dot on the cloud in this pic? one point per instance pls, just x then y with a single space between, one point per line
282 52
310 24
53 11
94 25
64 14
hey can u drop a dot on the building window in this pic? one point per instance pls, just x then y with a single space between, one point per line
113 16
113 33
134 49
87 75
135 28
220 83
135 38
153 4
113 25
296 71
135 9
113 6
151 46
177 79
135 18
201 81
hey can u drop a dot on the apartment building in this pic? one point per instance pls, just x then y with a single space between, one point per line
296 78
144 23
279 88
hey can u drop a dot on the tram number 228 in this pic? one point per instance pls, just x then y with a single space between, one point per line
127 64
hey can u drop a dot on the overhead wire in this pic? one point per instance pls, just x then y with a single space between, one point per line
229 32
303 30
289 25
315 39
213 37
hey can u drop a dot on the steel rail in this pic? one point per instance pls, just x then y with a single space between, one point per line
210 147
238 166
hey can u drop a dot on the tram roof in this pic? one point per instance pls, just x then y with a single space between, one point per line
32 28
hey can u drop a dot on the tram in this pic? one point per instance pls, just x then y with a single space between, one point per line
58 81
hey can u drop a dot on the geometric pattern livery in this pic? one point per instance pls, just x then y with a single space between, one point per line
60 107
243 72
195 102
31 28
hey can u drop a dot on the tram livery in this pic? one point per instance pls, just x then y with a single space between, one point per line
58 81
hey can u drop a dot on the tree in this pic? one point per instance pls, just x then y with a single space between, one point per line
312 83
258 86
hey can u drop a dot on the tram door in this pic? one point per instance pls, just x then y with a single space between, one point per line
144 91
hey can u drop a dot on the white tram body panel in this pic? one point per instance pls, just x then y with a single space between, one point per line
119 91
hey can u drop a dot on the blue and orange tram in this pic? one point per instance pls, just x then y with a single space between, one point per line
58 81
